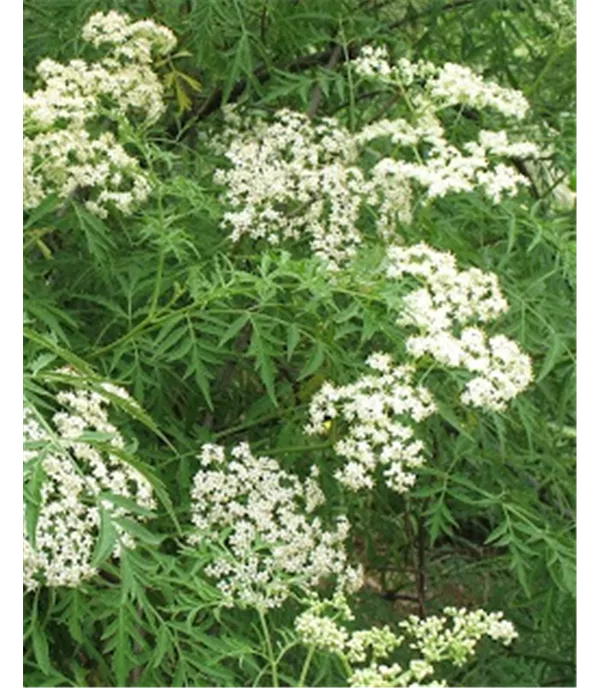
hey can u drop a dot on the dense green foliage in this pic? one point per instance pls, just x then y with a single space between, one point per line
227 343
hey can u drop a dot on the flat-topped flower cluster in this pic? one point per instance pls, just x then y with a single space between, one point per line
442 311
375 417
267 539
379 413
78 473
290 178
67 146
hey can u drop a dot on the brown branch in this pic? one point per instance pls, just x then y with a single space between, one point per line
263 23
520 166
317 93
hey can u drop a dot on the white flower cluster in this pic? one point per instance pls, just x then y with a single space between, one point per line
378 413
129 41
445 168
431 637
449 301
274 542
76 475
440 87
437 641
290 178
62 150
439 166
373 62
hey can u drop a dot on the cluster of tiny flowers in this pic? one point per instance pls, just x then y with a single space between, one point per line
76 476
378 413
558 16
373 62
436 640
442 311
439 166
61 152
289 179
431 637
439 87
274 542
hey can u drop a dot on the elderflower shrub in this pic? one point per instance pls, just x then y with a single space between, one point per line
450 638
379 411
450 300
261 522
66 145
75 474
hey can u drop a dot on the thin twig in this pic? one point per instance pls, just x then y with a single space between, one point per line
263 23
317 93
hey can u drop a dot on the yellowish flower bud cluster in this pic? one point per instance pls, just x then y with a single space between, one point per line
452 637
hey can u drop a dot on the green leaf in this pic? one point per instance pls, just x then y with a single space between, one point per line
107 539
314 362
194 84
139 531
497 533
264 364
184 102
127 503
293 337
201 376
240 63
163 645
40 650
121 657
46 207
234 328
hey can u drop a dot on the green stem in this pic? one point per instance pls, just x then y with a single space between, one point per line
271 655
157 285
306 666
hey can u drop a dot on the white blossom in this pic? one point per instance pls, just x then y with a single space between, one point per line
275 542
377 416
62 151
443 311
76 476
